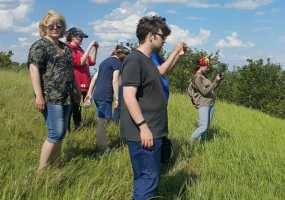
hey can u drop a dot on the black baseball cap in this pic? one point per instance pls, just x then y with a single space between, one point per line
76 32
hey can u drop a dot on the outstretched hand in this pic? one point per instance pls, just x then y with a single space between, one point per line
181 47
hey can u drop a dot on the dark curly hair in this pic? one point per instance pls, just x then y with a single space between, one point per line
151 24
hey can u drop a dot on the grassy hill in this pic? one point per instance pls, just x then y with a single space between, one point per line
243 159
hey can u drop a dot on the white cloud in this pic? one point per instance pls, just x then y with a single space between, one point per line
179 34
282 38
14 18
13 12
191 3
30 29
260 13
22 39
194 18
101 1
198 4
235 4
120 25
6 21
237 57
8 4
21 11
261 29
24 42
21 46
248 4
171 11
275 10
233 41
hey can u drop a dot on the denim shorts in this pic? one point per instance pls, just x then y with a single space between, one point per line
56 118
104 109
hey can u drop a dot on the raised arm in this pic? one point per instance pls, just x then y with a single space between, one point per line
172 59
205 91
85 57
93 54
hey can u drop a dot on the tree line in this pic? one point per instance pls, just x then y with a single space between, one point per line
258 84
7 63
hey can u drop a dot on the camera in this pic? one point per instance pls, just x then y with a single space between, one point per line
222 75
95 44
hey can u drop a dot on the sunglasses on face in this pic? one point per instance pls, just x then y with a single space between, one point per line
161 35
54 26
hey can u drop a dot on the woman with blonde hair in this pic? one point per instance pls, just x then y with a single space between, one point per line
50 66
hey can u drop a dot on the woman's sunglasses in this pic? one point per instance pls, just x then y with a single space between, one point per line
54 26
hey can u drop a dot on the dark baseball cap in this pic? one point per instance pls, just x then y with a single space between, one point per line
124 48
76 32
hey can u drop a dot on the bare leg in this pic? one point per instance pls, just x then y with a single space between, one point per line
49 153
101 137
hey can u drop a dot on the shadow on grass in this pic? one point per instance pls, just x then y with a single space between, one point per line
215 132
174 186
176 150
117 142
89 123
75 150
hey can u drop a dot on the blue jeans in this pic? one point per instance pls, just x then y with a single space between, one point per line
103 109
205 118
146 169
56 117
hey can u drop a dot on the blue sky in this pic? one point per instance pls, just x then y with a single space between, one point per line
239 29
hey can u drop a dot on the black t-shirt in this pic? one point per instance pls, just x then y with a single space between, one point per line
104 83
139 71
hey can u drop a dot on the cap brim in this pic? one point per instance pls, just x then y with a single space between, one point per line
84 35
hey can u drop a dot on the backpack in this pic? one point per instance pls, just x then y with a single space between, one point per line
192 93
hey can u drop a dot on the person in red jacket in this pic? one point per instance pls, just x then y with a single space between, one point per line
81 62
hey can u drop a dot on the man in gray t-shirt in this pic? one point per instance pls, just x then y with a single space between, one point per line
140 72
143 119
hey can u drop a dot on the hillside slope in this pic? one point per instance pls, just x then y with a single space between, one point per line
242 159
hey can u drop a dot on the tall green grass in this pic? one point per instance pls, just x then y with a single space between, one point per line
242 159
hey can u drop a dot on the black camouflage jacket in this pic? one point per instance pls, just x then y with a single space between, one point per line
56 73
